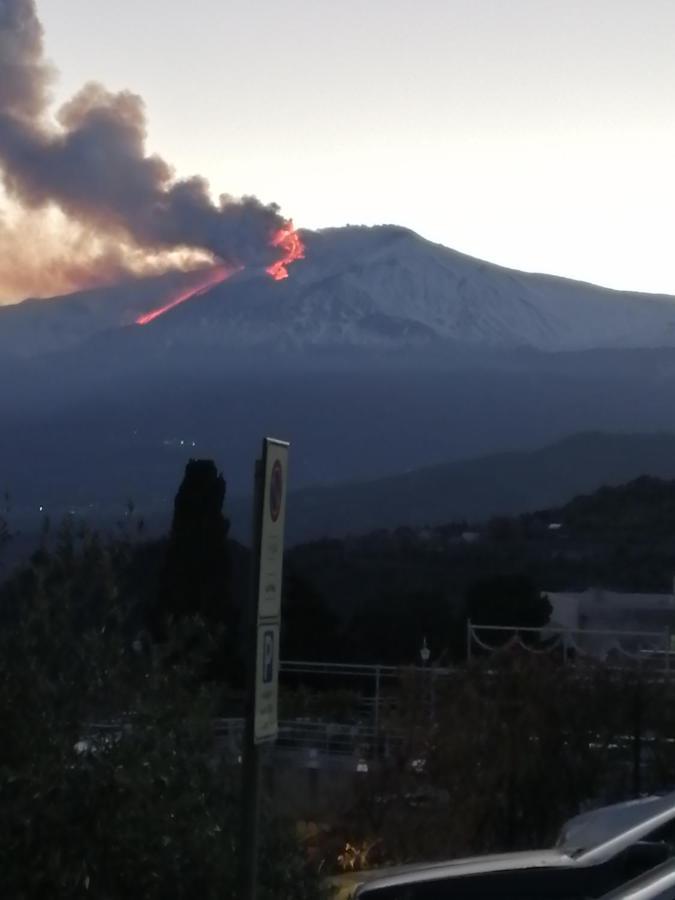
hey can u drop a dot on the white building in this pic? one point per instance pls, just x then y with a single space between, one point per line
598 621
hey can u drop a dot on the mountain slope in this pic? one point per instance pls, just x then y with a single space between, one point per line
381 353
74 434
37 327
358 288
500 484
465 300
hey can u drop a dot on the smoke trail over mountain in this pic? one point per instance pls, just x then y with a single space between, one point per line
45 254
91 163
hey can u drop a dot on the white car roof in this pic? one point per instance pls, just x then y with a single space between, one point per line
599 825
654 815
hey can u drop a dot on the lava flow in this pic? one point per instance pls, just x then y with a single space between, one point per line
286 239
211 279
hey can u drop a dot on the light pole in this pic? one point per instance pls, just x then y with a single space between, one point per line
425 654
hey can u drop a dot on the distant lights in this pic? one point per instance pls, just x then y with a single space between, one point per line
178 442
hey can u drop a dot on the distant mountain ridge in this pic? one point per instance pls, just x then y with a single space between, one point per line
477 489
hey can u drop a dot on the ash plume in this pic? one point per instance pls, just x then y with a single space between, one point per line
24 74
91 163
45 255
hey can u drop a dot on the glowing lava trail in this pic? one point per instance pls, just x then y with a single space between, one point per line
209 280
285 239
288 239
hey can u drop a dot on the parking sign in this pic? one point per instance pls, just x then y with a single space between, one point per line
266 691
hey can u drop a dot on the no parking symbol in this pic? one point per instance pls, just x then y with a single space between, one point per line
276 490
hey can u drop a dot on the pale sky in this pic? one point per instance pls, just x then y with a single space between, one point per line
539 134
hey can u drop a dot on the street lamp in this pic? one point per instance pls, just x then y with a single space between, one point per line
425 653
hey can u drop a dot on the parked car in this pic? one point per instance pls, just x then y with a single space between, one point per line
598 825
595 854
656 884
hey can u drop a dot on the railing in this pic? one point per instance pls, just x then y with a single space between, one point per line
310 741
364 738
649 648
373 679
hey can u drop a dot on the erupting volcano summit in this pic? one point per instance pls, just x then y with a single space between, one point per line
286 238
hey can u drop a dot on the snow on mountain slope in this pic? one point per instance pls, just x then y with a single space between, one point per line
360 287
470 301
61 323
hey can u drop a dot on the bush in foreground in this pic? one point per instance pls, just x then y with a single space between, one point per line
110 784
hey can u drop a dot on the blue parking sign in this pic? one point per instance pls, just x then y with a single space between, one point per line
266 688
268 656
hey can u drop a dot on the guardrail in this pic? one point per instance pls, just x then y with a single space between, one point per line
359 741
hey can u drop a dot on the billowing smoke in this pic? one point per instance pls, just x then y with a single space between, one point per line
44 254
92 165
24 75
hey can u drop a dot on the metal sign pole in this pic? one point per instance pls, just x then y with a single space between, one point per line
262 640
250 797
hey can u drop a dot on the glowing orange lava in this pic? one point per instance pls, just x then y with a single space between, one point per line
288 239
210 279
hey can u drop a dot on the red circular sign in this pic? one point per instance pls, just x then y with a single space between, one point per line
276 490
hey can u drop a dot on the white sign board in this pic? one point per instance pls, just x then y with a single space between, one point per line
272 513
275 463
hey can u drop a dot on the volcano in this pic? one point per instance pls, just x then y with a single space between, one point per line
378 353
356 289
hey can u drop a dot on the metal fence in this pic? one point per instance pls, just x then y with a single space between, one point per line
651 649
367 734
311 743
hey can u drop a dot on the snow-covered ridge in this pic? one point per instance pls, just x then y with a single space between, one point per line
359 287
470 301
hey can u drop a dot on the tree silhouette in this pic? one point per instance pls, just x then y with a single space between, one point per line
507 600
195 580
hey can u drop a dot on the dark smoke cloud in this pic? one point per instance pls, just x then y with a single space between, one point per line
93 165
24 76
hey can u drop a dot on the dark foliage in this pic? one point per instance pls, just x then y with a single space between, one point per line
310 628
196 576
111 785
393 628
507 600
620 538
